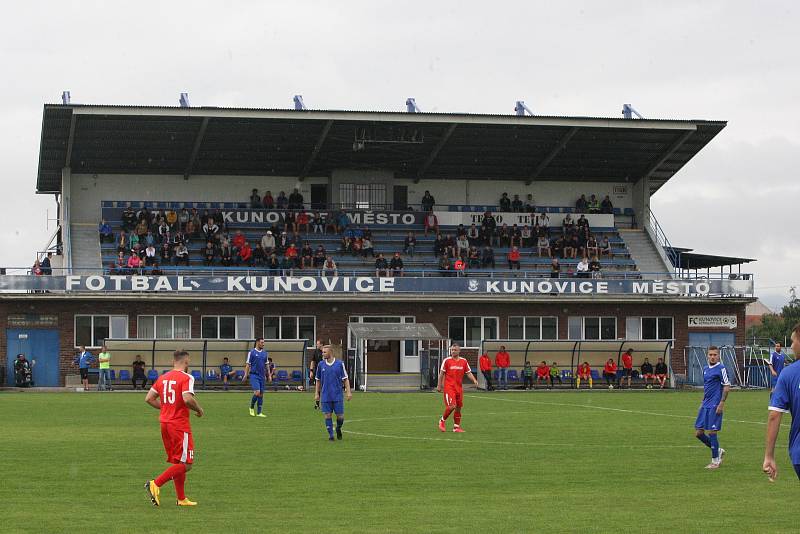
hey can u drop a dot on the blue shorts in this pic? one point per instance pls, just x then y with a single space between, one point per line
336 407
797 469
708 419
257 382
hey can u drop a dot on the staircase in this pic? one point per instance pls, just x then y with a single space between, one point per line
85 247
393 382
644 252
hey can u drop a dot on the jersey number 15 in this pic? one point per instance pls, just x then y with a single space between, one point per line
168 393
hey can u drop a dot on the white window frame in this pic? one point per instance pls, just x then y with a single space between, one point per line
657 318
235 324
525 326
155 321
463 342
93 315
360 319
296 326
600 327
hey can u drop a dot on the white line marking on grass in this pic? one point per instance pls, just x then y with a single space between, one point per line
429 416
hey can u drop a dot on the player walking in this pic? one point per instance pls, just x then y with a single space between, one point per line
715 390
330 375
256 369
173 394
785 399
452 372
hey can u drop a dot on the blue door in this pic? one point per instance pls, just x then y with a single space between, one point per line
696 354
39 345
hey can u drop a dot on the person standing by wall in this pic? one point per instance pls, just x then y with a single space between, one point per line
104 363
485 366
84 360
502 360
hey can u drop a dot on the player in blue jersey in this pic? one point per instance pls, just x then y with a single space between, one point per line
776 362
255 369
709 418
330 375
785 399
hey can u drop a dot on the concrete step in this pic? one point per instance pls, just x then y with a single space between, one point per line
643 251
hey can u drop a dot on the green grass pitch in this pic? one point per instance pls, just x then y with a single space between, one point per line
529 462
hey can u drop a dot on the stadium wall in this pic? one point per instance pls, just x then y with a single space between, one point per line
332 325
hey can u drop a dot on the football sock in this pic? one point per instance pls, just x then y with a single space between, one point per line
170 473
339 422
447 412
329 426
714 446
253 401
179 481
260 402
457 418
704 439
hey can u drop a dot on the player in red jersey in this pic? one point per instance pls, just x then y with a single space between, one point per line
452 373
173 394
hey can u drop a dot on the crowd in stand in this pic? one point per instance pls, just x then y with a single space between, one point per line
517 205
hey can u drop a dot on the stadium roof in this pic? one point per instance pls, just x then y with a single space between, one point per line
102 139
693 260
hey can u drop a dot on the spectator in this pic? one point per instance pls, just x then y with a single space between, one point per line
316 359
530 205
134 262
543 246
268 242
544 221
291 255
661 372
129 219
485 366
555 268
238 239
584 373
526 236
296 200
514 259
106 235
255 200
270 370
288 264
318 223
462 246
273 264
605 247
583 268
181 255
342 222
246 254
367 248
428 201
208 253
47 265
567 224
302 221
487 257
505 203
104 365
527 376
582 221
594 205
444 265
123 243
172 220
504 236
595 267
555 374
196 222
23 372
606 206
138 372
306 256
133 241
150 255
178 238
431 223
409 244
381 266
281 202
227 254
627 366
648 374
210 230
592 248
183 219
329 266
290 221
610 373
474 258
543 374
259 256
516 204
268 201
459 266
226 373
575 246
84 361
319 257
582 204
502 360
396 265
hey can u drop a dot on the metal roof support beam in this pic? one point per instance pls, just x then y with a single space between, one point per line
435 152
551 156
70 141
670 151
196 148
317 147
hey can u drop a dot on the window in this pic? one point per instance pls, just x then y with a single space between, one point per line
470 331
533 328
290 327
592 328
650 328
351 338
163 327
226 327
92 330
362 196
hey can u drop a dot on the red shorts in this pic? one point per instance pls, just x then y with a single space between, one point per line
178 444
454 396
584 377
649 375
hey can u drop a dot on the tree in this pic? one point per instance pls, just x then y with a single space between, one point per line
778 327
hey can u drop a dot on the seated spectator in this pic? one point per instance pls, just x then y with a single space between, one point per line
462 246
444 265
366 248
567 224
287 264
129 218
427 201
409 244
595 267
226 372
488 227
461 231
318 223
163 231
291 255
208 253
459 266
514 259
530 205
259 257
150 255
543 220
268 242
449 246
238 240
474 258
134 262
505 203
543 246
381 266
594 205
581 205
610 373
606 206
172 220
296 200
194 218
525 236
281 202
273 264
290 221
302 221
356 244
106 235
123 243
246 254
306 256
255 200
227 253
179 237
555 374
592 248
527 376
605 247
582 221
516 204
183 219
165 252
210 230
431 223
473 235
487 257
575 245
584 373
342 222
396 265
504 236
181 254
543 374
583 268
329 267
555 268
516 236
319 257
569 250
192 229
662 372
268 201
648 374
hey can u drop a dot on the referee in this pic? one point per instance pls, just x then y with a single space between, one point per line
785 399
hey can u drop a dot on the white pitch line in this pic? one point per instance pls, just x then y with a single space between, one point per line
429 416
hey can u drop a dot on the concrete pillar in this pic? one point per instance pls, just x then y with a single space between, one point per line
64 216
641 201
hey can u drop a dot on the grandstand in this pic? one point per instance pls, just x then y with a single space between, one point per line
370 170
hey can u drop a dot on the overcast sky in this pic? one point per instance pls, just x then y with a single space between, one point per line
735 61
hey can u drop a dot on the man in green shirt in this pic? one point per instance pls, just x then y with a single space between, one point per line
527 375
104 359
555 374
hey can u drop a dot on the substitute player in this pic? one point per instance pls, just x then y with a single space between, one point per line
785 399
256 369
709 418
330 376
173 394
452 372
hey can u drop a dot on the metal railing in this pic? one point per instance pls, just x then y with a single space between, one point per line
662 242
